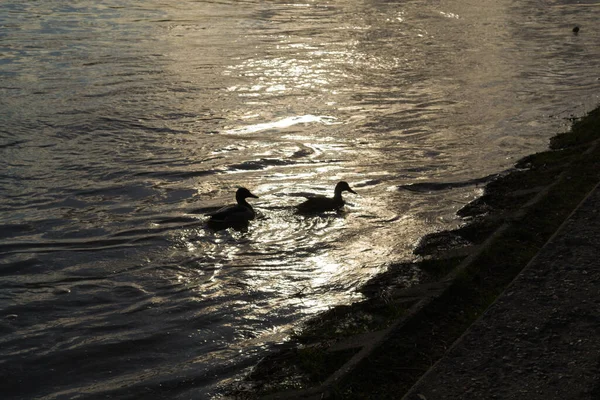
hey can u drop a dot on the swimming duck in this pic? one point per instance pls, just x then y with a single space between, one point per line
322 203
235 214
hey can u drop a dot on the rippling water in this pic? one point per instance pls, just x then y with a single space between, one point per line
124 122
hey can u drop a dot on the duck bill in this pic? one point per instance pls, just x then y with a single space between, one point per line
253 196
352 191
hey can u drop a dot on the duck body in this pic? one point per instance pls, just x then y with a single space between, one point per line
236 214
319 204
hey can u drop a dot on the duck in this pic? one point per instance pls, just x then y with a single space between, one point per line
236 214
318 203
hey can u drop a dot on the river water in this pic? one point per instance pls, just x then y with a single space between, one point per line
124 122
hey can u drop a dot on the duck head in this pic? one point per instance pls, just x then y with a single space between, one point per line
343 186
243 193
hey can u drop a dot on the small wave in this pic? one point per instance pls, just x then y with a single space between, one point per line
14 143
177 174
72 245
260 164
423 187
282 123
12 230
20 267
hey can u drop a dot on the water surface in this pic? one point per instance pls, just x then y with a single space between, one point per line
124 122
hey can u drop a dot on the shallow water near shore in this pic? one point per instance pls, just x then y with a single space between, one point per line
125 122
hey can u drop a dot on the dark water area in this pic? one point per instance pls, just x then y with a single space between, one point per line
125 122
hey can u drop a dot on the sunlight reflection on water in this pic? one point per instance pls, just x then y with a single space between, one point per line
282 123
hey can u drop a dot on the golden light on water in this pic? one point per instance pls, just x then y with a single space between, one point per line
278 75
291 125
304 262
281 124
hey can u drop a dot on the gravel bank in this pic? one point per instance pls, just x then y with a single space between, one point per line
540 339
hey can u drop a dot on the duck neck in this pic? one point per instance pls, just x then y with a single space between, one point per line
242 202
337 196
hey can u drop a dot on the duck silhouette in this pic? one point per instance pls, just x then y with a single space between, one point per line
317 204
234 215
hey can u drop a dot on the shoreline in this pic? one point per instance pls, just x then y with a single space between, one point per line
379 347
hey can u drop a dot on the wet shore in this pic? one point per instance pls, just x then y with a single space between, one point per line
380 347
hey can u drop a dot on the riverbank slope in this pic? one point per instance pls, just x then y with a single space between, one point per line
381 347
